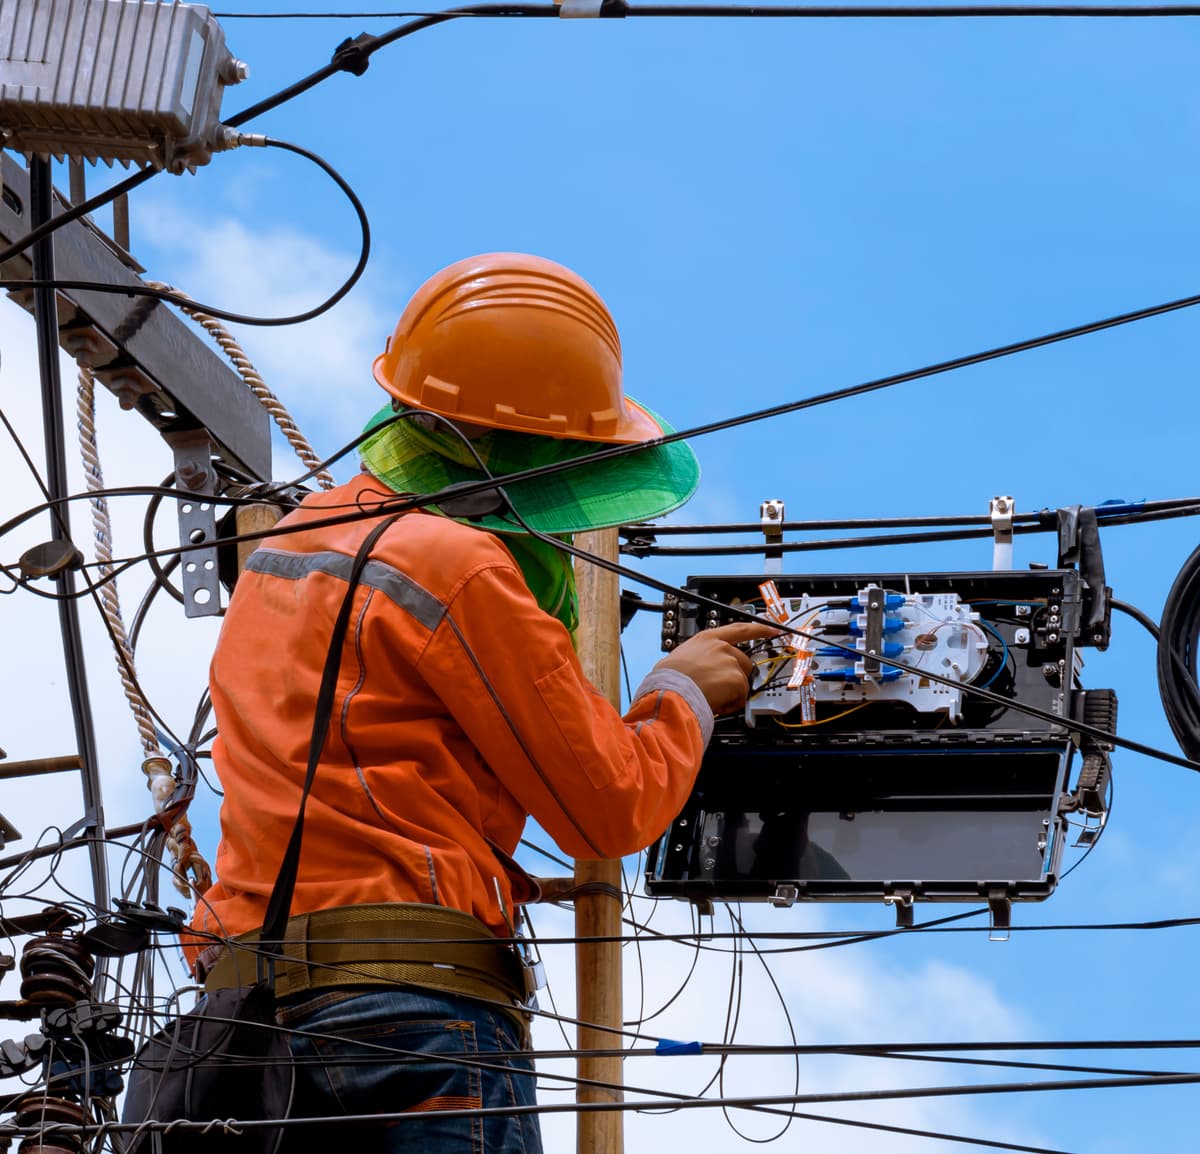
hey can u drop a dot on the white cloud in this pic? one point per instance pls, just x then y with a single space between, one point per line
320 370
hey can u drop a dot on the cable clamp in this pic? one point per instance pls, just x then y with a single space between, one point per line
580 9
770 516
1001 512
355 55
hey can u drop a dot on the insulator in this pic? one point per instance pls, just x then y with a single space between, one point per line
41 1111
56 971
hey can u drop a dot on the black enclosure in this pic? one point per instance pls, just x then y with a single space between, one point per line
875 799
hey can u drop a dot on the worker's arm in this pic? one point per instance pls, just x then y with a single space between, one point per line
600 785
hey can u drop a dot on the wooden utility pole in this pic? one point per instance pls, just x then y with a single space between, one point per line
254 519
598 913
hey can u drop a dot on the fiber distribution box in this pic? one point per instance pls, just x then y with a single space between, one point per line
884 754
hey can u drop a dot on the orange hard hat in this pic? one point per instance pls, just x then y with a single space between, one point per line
513 341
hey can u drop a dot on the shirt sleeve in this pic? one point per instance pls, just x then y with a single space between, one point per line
599 784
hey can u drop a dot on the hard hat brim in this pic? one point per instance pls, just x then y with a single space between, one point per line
590 494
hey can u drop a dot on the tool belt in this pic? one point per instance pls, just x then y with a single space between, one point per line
383 945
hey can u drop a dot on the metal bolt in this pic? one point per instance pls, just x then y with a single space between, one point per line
192 476
234 71
710 863
714 841
679 848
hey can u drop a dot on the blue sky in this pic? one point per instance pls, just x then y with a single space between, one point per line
771 209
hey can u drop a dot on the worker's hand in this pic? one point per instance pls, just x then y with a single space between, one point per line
722 671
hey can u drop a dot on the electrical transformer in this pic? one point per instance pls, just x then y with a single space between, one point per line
883 753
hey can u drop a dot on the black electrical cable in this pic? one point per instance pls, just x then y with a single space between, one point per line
161 577
225 314
639 548
90 587
907 11
861 389
1192 763
681 1102
496 483
276 496
1178 645
354 56
75 212
491 483
46 317
640 540
821 11
1046 518
1144 619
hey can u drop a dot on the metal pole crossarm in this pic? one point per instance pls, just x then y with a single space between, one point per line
138 348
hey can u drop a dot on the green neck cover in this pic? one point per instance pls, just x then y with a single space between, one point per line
547 571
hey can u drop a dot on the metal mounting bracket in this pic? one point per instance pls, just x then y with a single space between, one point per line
1000 911
1092 828
770 516
902 901
197 522
1000 509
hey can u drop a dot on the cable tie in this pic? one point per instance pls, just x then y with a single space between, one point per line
667 1047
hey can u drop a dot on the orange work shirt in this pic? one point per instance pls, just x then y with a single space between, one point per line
461 708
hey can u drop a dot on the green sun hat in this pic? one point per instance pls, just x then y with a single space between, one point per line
638 486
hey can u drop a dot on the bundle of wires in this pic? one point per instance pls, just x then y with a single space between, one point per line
1178 643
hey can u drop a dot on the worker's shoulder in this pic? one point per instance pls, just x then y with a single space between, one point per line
339 519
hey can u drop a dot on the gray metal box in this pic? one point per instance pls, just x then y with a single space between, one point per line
136 81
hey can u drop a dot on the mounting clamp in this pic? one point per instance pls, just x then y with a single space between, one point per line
902 901
1000 509
1000 911
770 516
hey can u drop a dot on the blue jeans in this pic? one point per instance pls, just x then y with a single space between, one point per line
417 1051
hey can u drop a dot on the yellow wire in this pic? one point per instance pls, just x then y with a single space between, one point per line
823 720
